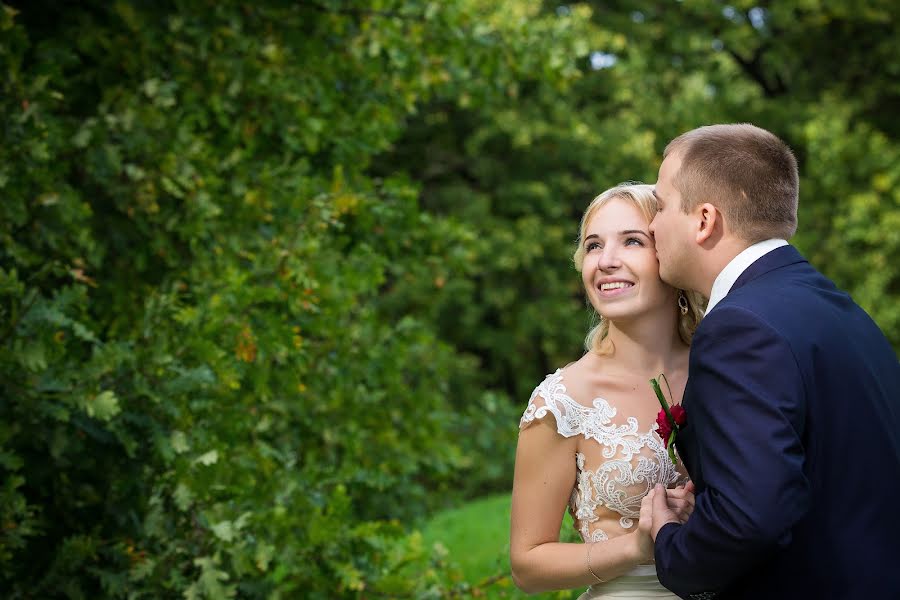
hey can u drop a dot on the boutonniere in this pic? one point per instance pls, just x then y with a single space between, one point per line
670 419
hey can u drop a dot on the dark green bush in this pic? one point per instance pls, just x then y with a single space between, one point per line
204 393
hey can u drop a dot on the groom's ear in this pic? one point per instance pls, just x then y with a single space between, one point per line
708 216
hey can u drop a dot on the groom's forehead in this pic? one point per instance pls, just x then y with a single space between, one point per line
670 165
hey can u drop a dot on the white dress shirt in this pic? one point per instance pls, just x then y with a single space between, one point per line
734 269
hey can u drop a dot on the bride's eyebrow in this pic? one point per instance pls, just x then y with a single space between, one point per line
631 231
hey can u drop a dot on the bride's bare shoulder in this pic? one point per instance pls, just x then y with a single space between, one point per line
582 368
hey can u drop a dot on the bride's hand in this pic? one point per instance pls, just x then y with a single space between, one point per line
680 500
645 523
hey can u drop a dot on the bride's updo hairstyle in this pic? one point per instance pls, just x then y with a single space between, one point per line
642 197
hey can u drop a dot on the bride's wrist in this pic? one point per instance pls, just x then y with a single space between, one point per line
641 546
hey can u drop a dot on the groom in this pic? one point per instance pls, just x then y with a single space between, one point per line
793 397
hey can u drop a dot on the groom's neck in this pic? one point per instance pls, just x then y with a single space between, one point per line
714 259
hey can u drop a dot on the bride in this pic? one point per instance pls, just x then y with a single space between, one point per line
587 438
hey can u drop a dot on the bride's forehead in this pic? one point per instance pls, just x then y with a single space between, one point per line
616 215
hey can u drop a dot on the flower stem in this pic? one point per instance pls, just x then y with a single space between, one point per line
662 401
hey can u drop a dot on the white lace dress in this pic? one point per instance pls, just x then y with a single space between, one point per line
617 463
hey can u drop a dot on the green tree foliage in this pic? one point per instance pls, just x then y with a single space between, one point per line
276 277
204 391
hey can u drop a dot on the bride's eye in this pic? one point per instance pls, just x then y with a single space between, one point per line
592 246
629 241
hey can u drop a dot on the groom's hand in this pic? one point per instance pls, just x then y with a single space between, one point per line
681 500
662 512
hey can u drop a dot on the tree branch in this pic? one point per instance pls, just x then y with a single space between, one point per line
753 67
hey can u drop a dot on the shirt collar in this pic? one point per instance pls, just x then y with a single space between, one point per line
731 272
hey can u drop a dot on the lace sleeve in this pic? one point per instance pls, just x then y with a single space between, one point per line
550 397
536 410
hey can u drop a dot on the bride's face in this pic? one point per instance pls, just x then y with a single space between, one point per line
620 271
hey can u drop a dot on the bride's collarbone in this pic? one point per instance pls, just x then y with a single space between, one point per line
620 391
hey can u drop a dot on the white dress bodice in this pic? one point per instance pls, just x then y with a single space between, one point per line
617 465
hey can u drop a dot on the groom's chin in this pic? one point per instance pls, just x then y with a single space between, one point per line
666 274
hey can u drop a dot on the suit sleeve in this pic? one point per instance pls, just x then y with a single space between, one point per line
745 402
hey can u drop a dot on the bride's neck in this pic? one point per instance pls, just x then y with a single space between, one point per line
644 348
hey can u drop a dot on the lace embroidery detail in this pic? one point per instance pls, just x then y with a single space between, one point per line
620 486
583 506
620 482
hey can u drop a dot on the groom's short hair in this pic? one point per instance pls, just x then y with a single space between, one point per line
746 172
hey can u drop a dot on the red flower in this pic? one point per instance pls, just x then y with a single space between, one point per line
669 420
663 427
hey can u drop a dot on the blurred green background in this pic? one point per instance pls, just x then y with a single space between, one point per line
277 278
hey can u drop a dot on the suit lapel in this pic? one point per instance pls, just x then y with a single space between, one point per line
685 443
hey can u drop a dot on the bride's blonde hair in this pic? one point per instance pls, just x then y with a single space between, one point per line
641 195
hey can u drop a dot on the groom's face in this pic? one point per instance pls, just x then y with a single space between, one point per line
671 227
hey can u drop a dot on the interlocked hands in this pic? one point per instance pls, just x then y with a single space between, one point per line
662 506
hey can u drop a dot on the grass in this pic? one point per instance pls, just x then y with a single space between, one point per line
476 537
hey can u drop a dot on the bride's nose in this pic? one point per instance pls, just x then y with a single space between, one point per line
609 259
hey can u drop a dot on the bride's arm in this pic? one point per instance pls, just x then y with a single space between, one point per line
543 482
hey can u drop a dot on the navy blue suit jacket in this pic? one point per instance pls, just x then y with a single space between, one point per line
793 442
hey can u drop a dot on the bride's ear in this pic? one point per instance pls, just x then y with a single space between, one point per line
708 216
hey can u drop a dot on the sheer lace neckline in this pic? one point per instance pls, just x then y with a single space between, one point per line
573 417
629 462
